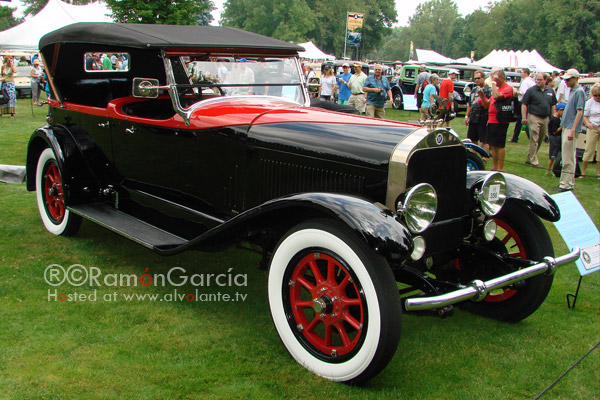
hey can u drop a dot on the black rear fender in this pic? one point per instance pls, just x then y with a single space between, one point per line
78 180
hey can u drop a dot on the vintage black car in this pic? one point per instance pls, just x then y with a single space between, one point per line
202 137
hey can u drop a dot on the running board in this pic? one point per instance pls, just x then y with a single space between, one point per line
124 224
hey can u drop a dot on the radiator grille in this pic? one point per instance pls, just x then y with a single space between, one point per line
445 169
278 178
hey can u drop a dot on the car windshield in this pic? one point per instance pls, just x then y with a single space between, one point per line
203 77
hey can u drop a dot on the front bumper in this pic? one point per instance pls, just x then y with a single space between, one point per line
478 290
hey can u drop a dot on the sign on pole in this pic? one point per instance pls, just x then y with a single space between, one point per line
354 25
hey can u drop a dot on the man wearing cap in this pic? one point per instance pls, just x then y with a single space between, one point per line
356 84
526 83
343 78
420 85
246 75
571 123
537 105
378 92
447 92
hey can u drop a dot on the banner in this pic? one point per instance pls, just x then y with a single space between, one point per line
354 25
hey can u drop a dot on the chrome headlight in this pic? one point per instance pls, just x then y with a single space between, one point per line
418 207
492 194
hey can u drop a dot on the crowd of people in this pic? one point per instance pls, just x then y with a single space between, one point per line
546 107
369 95
545 114
8 71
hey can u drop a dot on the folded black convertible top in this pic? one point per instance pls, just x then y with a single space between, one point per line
163 36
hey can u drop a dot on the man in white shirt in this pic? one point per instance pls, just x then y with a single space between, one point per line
563 92
526 82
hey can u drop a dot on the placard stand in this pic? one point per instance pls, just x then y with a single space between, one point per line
574 296
578 230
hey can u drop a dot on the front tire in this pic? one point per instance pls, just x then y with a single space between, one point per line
474 162
397 100
334 302
57 219
520 234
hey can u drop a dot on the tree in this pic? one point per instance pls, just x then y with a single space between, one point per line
173 12
575 33
35 6
433 24
396 46
7 20
288 21
322 22
565 32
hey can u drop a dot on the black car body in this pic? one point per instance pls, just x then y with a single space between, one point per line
174 152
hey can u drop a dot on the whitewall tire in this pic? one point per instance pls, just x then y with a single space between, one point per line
57 219
334 302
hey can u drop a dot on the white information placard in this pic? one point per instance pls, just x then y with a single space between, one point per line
578 230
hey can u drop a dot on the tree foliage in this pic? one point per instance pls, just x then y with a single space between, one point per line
174 12
7 19
565 32
301 20
35 6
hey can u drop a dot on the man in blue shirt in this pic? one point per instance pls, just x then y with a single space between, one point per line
571 123
343 78
378 92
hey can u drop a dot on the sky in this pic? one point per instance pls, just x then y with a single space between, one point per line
405 8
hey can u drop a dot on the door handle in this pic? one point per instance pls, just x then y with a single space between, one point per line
131 130
104 124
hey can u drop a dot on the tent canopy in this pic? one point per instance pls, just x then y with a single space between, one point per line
518 59
313 52
55 15
430 56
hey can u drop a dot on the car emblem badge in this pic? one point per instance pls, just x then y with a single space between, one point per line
439 139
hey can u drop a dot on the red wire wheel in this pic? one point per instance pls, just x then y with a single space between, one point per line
327 305
515 248
53 192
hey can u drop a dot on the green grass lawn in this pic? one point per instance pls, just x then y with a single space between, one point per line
144 349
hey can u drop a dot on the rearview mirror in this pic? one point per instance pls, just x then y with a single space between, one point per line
146 88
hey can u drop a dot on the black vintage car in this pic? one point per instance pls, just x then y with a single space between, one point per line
202 137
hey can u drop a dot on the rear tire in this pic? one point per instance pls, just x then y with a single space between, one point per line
57 219
334 302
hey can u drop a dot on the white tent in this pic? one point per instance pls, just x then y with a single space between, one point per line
56 14
312 52
430 56
517 59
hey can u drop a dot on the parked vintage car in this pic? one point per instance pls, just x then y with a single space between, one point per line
403 89
23 81
207 139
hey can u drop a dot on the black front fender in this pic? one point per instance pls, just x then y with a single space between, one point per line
523 191
376 225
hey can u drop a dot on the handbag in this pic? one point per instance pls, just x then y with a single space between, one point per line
4 98
506 110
